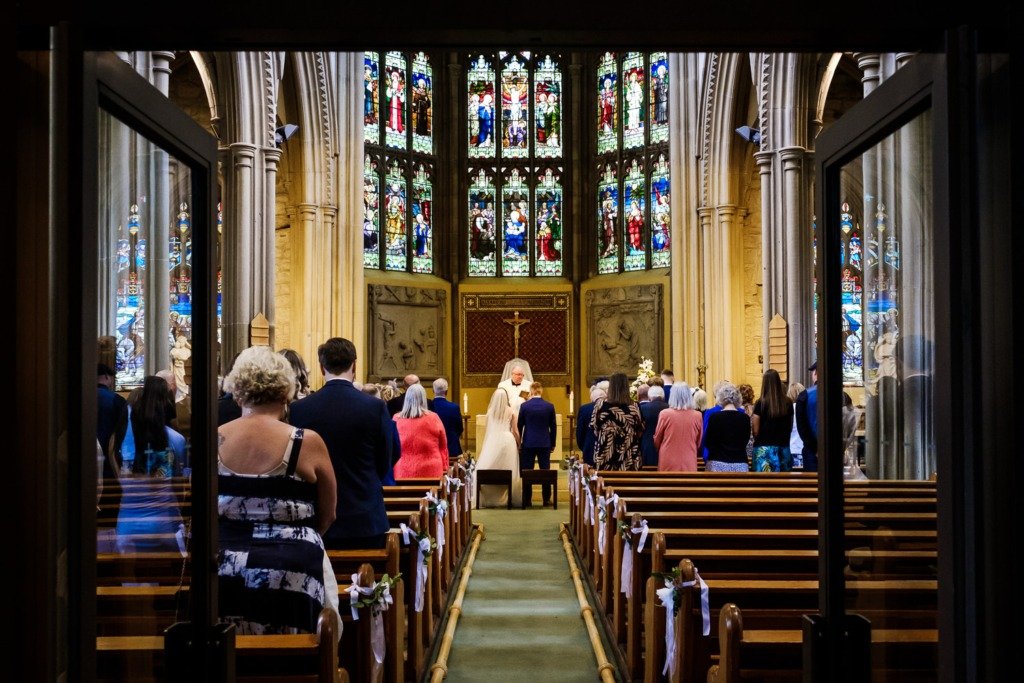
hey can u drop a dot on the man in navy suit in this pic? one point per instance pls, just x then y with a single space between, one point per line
356 428
451 417
650 410
585 436
538 430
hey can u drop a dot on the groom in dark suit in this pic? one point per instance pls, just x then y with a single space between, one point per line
356 428
538 429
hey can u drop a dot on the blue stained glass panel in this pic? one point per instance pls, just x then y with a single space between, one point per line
548 241
371 98
608 221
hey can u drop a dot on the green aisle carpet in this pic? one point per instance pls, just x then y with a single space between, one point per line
521 618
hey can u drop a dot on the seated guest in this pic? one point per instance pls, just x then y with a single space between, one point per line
277 495
421 433
728 432
650 410
678 432
146 448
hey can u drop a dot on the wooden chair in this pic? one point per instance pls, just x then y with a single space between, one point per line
532 477
494 478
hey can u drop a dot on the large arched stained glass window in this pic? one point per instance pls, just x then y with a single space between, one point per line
633 183
398 164
515 178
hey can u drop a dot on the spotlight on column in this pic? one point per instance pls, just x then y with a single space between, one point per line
282 134
749 134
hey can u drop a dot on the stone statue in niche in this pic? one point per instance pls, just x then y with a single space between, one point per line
626 326
405 332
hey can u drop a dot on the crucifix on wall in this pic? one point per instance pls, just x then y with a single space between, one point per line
516 322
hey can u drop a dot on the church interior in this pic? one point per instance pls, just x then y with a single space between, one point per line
588 203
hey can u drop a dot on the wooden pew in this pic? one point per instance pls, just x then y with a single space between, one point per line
777 654
292 658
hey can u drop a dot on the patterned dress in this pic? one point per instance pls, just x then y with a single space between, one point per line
618 431
274 574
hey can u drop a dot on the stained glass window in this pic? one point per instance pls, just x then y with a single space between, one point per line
869 295
422 99
179 255
396 235
371 213
661 214
371 97
548 254
398 207
481 225
422 216
633 194
481 108
608 221
515 208
130 331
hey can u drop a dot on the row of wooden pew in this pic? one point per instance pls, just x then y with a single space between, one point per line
139 595
753 539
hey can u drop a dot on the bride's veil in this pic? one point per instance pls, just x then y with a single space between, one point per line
525 365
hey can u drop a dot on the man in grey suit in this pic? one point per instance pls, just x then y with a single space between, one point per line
356 428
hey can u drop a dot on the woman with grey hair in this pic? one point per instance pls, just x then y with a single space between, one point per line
679 431
421 433
728 433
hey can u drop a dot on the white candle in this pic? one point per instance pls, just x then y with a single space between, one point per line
570 403
465 403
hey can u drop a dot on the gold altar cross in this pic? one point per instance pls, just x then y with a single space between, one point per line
515 321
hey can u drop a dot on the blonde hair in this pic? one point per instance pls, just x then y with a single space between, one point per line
260 376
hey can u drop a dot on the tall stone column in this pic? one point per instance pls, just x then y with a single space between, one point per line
796 276
771 295
271 161
722 228
239 250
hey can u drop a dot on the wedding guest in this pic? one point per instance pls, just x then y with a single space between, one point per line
451 417
618 427
727 433
277 494
422 435
679 431
772 425
650 410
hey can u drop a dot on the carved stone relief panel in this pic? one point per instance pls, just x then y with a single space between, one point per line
625 325
406 332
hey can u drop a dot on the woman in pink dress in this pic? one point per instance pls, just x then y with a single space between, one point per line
421 433
679 432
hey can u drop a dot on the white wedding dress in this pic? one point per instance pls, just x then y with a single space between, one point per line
499 452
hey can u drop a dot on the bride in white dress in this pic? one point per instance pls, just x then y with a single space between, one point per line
500 450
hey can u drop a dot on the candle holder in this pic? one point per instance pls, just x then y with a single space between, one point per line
571 419
465 433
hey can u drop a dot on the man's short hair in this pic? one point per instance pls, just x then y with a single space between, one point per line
642 392
668 372
655 393
440 386
536 389
337 355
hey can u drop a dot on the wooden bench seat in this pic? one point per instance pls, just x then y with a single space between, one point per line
777 654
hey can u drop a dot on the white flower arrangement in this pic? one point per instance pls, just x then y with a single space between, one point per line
645 371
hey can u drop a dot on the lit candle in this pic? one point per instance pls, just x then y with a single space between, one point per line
570 403
465 403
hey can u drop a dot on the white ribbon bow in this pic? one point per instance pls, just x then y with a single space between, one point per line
441 507
408 536
454 486
668 601
667 595
602 515
377 610
614 500
588 508
627 556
